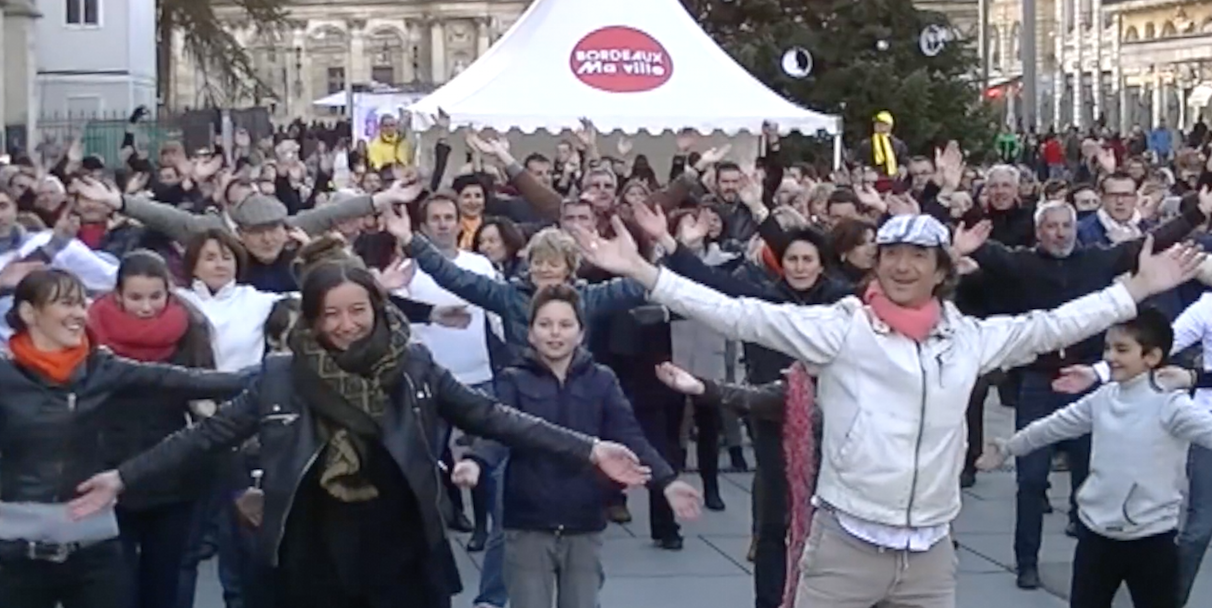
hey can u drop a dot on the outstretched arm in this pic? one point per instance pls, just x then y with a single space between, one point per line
483 291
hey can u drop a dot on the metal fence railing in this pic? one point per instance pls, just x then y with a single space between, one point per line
102 134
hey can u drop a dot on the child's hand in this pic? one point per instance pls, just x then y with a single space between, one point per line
1075 379
1173 378
994 456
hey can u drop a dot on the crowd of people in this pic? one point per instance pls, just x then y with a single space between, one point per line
307 357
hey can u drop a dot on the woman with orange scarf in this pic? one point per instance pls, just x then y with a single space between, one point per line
142 320
58 388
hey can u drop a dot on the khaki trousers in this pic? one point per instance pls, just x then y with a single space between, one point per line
840 570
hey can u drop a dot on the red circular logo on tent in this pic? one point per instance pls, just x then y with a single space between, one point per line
620 59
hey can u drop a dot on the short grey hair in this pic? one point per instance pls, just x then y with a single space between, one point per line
1003 169
1043 209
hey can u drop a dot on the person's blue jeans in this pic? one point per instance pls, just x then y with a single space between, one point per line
1197 531
216 510
1037 400
492 575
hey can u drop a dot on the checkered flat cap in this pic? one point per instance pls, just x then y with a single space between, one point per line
921 230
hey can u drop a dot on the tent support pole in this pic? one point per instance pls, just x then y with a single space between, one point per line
837 150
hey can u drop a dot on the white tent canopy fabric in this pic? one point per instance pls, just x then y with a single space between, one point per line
629 65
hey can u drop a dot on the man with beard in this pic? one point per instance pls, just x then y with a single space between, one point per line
1055 271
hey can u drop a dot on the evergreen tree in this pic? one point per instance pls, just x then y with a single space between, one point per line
224 63
866 58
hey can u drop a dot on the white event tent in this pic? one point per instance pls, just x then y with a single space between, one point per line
640 67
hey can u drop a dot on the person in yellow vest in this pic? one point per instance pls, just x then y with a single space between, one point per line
883 151
389 147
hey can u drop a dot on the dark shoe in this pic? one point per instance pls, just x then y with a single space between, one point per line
1028 578
737 456
712 501
967 479
1071 530
618 514
1048 510
461 524
752 554
672 543
479 538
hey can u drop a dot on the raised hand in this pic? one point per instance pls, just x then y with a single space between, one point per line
97 493
1075 379
903 204
466 474
98 191
868 196
400 193
397 275
619 255
686 501
298 235
680 380
68 225
625 146
685 140
693 230
713 156
587 135
455 316
751 193
651 221
1106 159
993 457
398 225
1158 272
619 464
442 120
949 164
968 239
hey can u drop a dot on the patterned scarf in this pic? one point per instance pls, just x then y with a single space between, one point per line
799 452
1117 231
349 392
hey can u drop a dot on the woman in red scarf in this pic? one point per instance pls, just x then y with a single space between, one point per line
143 321
57 392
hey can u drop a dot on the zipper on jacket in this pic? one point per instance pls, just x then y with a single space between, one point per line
437 473
917 449
294 490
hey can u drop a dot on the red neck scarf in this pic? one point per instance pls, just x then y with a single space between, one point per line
56 366
153 340
799 451
771 262
92 234
915 323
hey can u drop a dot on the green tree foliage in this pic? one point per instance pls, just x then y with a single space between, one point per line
224 63
934 99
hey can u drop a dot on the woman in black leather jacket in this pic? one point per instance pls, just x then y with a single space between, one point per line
352 513
58 389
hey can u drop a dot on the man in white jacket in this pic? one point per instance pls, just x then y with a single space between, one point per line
895 370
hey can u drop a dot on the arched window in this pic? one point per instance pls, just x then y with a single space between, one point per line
1150 31
995 48
1169 30
1131 35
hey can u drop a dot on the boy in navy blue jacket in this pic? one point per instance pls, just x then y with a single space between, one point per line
553 516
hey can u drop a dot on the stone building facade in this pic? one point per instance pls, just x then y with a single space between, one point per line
328 45
1126 62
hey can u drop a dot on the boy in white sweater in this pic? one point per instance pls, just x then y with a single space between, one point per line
1129 505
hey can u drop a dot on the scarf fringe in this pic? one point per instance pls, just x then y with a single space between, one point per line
799 452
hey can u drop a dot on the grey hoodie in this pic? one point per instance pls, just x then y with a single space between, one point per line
1138 457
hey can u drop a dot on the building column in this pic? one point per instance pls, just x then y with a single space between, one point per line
20 69
411 36
1079 68
1058 72
1158 97
482 40
437 51
1117 74
359 68
300 85
1097 84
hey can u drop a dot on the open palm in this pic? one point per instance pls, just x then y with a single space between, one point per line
620 464
619 255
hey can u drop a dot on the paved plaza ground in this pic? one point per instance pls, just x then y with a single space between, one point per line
712 572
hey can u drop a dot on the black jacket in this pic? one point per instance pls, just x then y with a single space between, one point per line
286 428
49 442
545 494
1032 279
